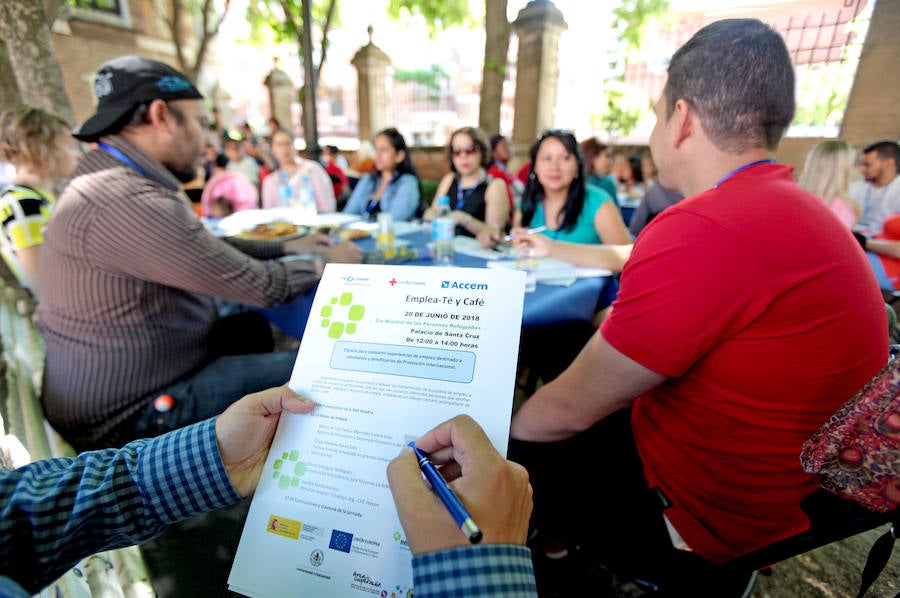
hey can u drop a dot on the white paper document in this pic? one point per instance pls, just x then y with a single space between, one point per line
549 269
388 353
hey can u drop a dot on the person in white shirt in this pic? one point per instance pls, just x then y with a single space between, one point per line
878 195
238 161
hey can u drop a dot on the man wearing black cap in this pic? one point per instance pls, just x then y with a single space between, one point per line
129 271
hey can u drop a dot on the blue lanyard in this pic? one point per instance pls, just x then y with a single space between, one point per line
870 194
120 156
744 167
463 194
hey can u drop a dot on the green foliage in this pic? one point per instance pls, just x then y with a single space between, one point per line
823 89
438 14
430 78
822 93
281 21
621 115
631 15
103 5
429 190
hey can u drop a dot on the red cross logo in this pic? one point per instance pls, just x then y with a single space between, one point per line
392 281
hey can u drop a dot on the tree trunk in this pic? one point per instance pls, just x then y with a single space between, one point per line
23 27
9 89
325 28
310 124
496 49
51 10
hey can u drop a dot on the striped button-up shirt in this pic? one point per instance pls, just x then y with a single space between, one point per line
126 276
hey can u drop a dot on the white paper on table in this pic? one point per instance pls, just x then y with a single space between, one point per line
553 271
470 246
388 353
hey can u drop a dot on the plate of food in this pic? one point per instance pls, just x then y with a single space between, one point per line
280 230
342 234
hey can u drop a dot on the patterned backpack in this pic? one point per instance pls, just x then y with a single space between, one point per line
856 454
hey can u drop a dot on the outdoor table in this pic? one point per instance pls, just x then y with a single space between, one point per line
547 305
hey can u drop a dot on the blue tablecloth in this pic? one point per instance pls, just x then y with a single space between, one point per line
547 305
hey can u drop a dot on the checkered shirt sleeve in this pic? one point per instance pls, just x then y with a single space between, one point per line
489 570
56 511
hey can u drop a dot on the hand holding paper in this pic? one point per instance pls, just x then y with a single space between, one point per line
245 430
388 352
495 491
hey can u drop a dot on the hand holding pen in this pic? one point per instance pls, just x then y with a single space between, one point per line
529 242
520 231
494 492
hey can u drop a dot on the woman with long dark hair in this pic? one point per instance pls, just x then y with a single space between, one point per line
557 197
393 186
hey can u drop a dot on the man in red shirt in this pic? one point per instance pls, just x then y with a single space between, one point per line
747 315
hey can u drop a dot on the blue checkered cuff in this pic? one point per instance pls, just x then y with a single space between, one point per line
183 473
490 570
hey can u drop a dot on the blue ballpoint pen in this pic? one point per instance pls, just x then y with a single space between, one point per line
450 500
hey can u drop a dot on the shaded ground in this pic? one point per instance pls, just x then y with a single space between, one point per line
194 558
831 571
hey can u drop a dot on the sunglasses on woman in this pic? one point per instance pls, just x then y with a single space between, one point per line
464 151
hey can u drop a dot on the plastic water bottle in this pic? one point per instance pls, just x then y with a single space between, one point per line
443 230
305 199
285 193
443 206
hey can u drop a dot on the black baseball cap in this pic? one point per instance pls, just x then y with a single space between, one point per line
124 83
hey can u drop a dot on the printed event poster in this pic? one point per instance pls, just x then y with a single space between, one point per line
388 353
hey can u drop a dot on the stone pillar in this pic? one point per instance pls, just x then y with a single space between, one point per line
371 66
538 27
282 95
873 108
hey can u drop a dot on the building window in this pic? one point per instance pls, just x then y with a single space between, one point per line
336 101
110 12
107 6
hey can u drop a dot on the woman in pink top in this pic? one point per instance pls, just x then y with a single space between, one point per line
292 170
827 173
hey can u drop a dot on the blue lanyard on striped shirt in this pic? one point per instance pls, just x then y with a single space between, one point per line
115 153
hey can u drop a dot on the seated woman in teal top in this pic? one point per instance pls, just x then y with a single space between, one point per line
557 197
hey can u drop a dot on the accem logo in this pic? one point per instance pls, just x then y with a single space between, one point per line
470 286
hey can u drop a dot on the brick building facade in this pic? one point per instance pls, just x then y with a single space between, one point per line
85 37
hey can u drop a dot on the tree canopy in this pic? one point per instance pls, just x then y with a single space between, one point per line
438 14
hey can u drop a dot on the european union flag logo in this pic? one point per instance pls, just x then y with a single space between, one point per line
341 540
445 284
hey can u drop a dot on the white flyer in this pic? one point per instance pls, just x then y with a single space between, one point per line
388 353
